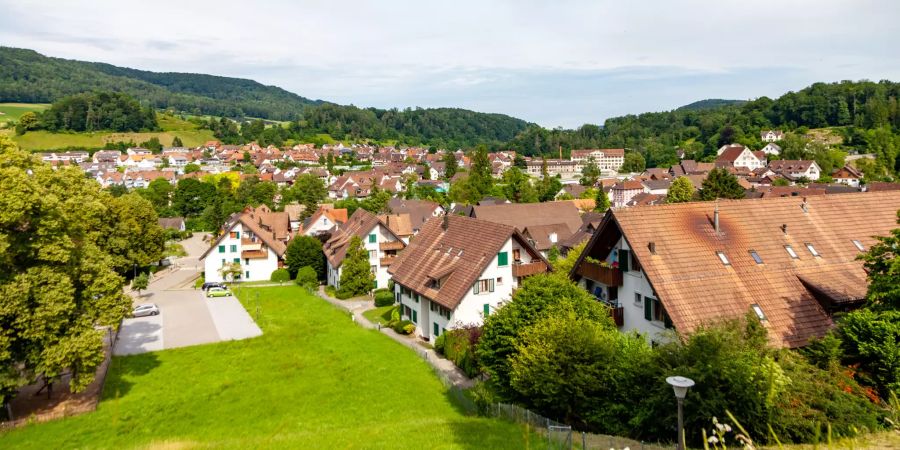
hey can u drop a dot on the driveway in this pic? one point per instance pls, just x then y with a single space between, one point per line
186 316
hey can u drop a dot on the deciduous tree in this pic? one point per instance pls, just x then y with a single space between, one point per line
721 184
305 251
356 275
681 190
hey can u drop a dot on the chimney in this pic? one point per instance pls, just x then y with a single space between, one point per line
716 219
784 228
804 206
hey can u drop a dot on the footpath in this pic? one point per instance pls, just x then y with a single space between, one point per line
444 368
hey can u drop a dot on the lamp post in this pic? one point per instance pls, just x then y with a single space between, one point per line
680 385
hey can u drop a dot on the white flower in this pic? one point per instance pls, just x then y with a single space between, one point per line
727 428
713 440
720 427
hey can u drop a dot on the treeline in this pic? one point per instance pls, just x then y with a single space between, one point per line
110 111
858 106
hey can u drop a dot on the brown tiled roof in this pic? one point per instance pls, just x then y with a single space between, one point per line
360 224
398 223
273 228
790 165
456 255
730 154
875 186
628 185
524 215
696 287
420 211
540 234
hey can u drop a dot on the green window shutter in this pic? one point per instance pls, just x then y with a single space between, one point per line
624 259
648 309
237 260
436 331
502 258
487 310
372 238
248 274
221 249
375 283
237 234
666 319
415 316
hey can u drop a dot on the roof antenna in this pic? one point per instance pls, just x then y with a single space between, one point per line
716 217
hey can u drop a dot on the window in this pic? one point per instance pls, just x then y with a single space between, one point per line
247 261
758 311
723 258
484 286
221 249
623 259
637 298
654 311
500 280
502 259
487 310
755 256
233 248
247 274
372 238
517 254
436 329
237 260
791 251
234 234
416 298
812 249
859 245
373 254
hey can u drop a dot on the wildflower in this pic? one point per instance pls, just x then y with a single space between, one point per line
713 440
727 428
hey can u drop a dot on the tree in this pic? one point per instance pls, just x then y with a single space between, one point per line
519 161
681 190
553 254
231 271
721 184
780 181
634 162
159 193
305 251
480 179
377 201
590 173
882 263
191 168
132 236
176 142
451 165
356 276
280 276
27 121
871 341
58 285
517 186
140 282
309 191
602 200
192 196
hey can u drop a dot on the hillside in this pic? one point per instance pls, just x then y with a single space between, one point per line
27 76
710 103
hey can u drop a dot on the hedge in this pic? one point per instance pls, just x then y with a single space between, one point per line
280 276
384 298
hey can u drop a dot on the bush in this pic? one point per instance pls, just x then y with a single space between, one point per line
329 289
384 298
307 277
439 343
199 283
280 276
459 347
403 327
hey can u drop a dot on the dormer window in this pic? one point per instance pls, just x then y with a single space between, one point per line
723 258
791 252
859 245
812 249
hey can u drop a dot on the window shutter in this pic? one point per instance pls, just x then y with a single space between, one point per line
502 258
487 310
624 259
491 285
237 234
648 309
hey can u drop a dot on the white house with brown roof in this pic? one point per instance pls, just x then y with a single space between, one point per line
255 238
622 192
543 224
740 156
847 175
687 264
378 239
771 135
794 169
458 270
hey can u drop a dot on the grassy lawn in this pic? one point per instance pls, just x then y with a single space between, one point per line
381 314
45 140
12 111
313 380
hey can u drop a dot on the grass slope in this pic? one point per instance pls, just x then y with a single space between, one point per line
313 380
46 140
12 111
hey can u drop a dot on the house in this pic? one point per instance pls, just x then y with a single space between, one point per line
687 264
657 187
725 147
740 156
573 190
400 224
546 223
172 223
419 211
848 175
324 221
377 238
771 135
771 149
458 270
607 159
793 169
561 167
623 191
590 221
255 238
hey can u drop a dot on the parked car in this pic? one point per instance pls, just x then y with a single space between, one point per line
211 284
218 292
146 309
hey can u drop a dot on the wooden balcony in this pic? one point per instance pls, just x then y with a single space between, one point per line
528 269
387 260
392 245
618 315
605 275
254 254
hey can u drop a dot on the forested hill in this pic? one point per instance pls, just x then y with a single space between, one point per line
710 103
29 77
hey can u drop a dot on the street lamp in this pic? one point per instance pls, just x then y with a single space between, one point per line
680 385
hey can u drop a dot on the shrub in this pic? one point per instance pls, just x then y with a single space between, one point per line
384 298
280 276
307 277
459 347
871 340
199 283
402 327
439 343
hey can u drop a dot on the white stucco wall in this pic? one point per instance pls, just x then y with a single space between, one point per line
260 269
382 234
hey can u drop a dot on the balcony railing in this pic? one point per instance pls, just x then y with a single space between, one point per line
391 245
606 275
386 261
528 269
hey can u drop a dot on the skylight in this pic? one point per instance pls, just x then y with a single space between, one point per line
759 312
859 245
723 258
755 256
791 251
812 249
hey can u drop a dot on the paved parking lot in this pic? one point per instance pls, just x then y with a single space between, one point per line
186 316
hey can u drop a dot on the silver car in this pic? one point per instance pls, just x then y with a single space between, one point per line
146 309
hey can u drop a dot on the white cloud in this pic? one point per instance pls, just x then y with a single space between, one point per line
471 53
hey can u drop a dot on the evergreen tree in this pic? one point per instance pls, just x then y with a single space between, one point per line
590 173
480 179
176 142
882 263
721 184
305 251
602 200
356 276
451 166
681 190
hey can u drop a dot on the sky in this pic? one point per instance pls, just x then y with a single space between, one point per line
556 63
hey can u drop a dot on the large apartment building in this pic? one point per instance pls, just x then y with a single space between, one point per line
256 239
379 240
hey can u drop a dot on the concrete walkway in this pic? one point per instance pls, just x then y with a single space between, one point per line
232 321
445 368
